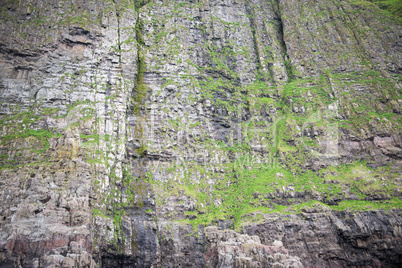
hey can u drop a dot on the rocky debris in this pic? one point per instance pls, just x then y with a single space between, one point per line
227 248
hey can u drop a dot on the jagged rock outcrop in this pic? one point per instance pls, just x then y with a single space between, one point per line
130 129
226 248
335 239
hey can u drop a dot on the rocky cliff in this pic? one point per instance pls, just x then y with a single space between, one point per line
200 133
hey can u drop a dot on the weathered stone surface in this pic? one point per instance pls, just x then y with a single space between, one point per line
129 129
226 248
336 239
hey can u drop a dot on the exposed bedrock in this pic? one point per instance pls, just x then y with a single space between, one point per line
200 133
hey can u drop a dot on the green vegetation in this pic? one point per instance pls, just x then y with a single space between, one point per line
231 177
362 205
392 6
269 155
268 188
41 133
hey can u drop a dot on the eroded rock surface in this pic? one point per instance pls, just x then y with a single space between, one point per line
226 248
143 133
336 239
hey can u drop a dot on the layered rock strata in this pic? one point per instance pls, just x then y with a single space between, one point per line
235 133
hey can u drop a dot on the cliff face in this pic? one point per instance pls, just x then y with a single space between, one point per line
200 133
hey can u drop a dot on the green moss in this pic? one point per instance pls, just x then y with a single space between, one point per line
242 188
140 88
394 7
97 212
363 205
40 133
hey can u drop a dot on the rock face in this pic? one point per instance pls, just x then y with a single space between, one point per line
200 133
336 239
229 249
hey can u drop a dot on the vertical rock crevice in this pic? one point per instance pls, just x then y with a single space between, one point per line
273 62
117 10
140 89
141 211
262 71
276 7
